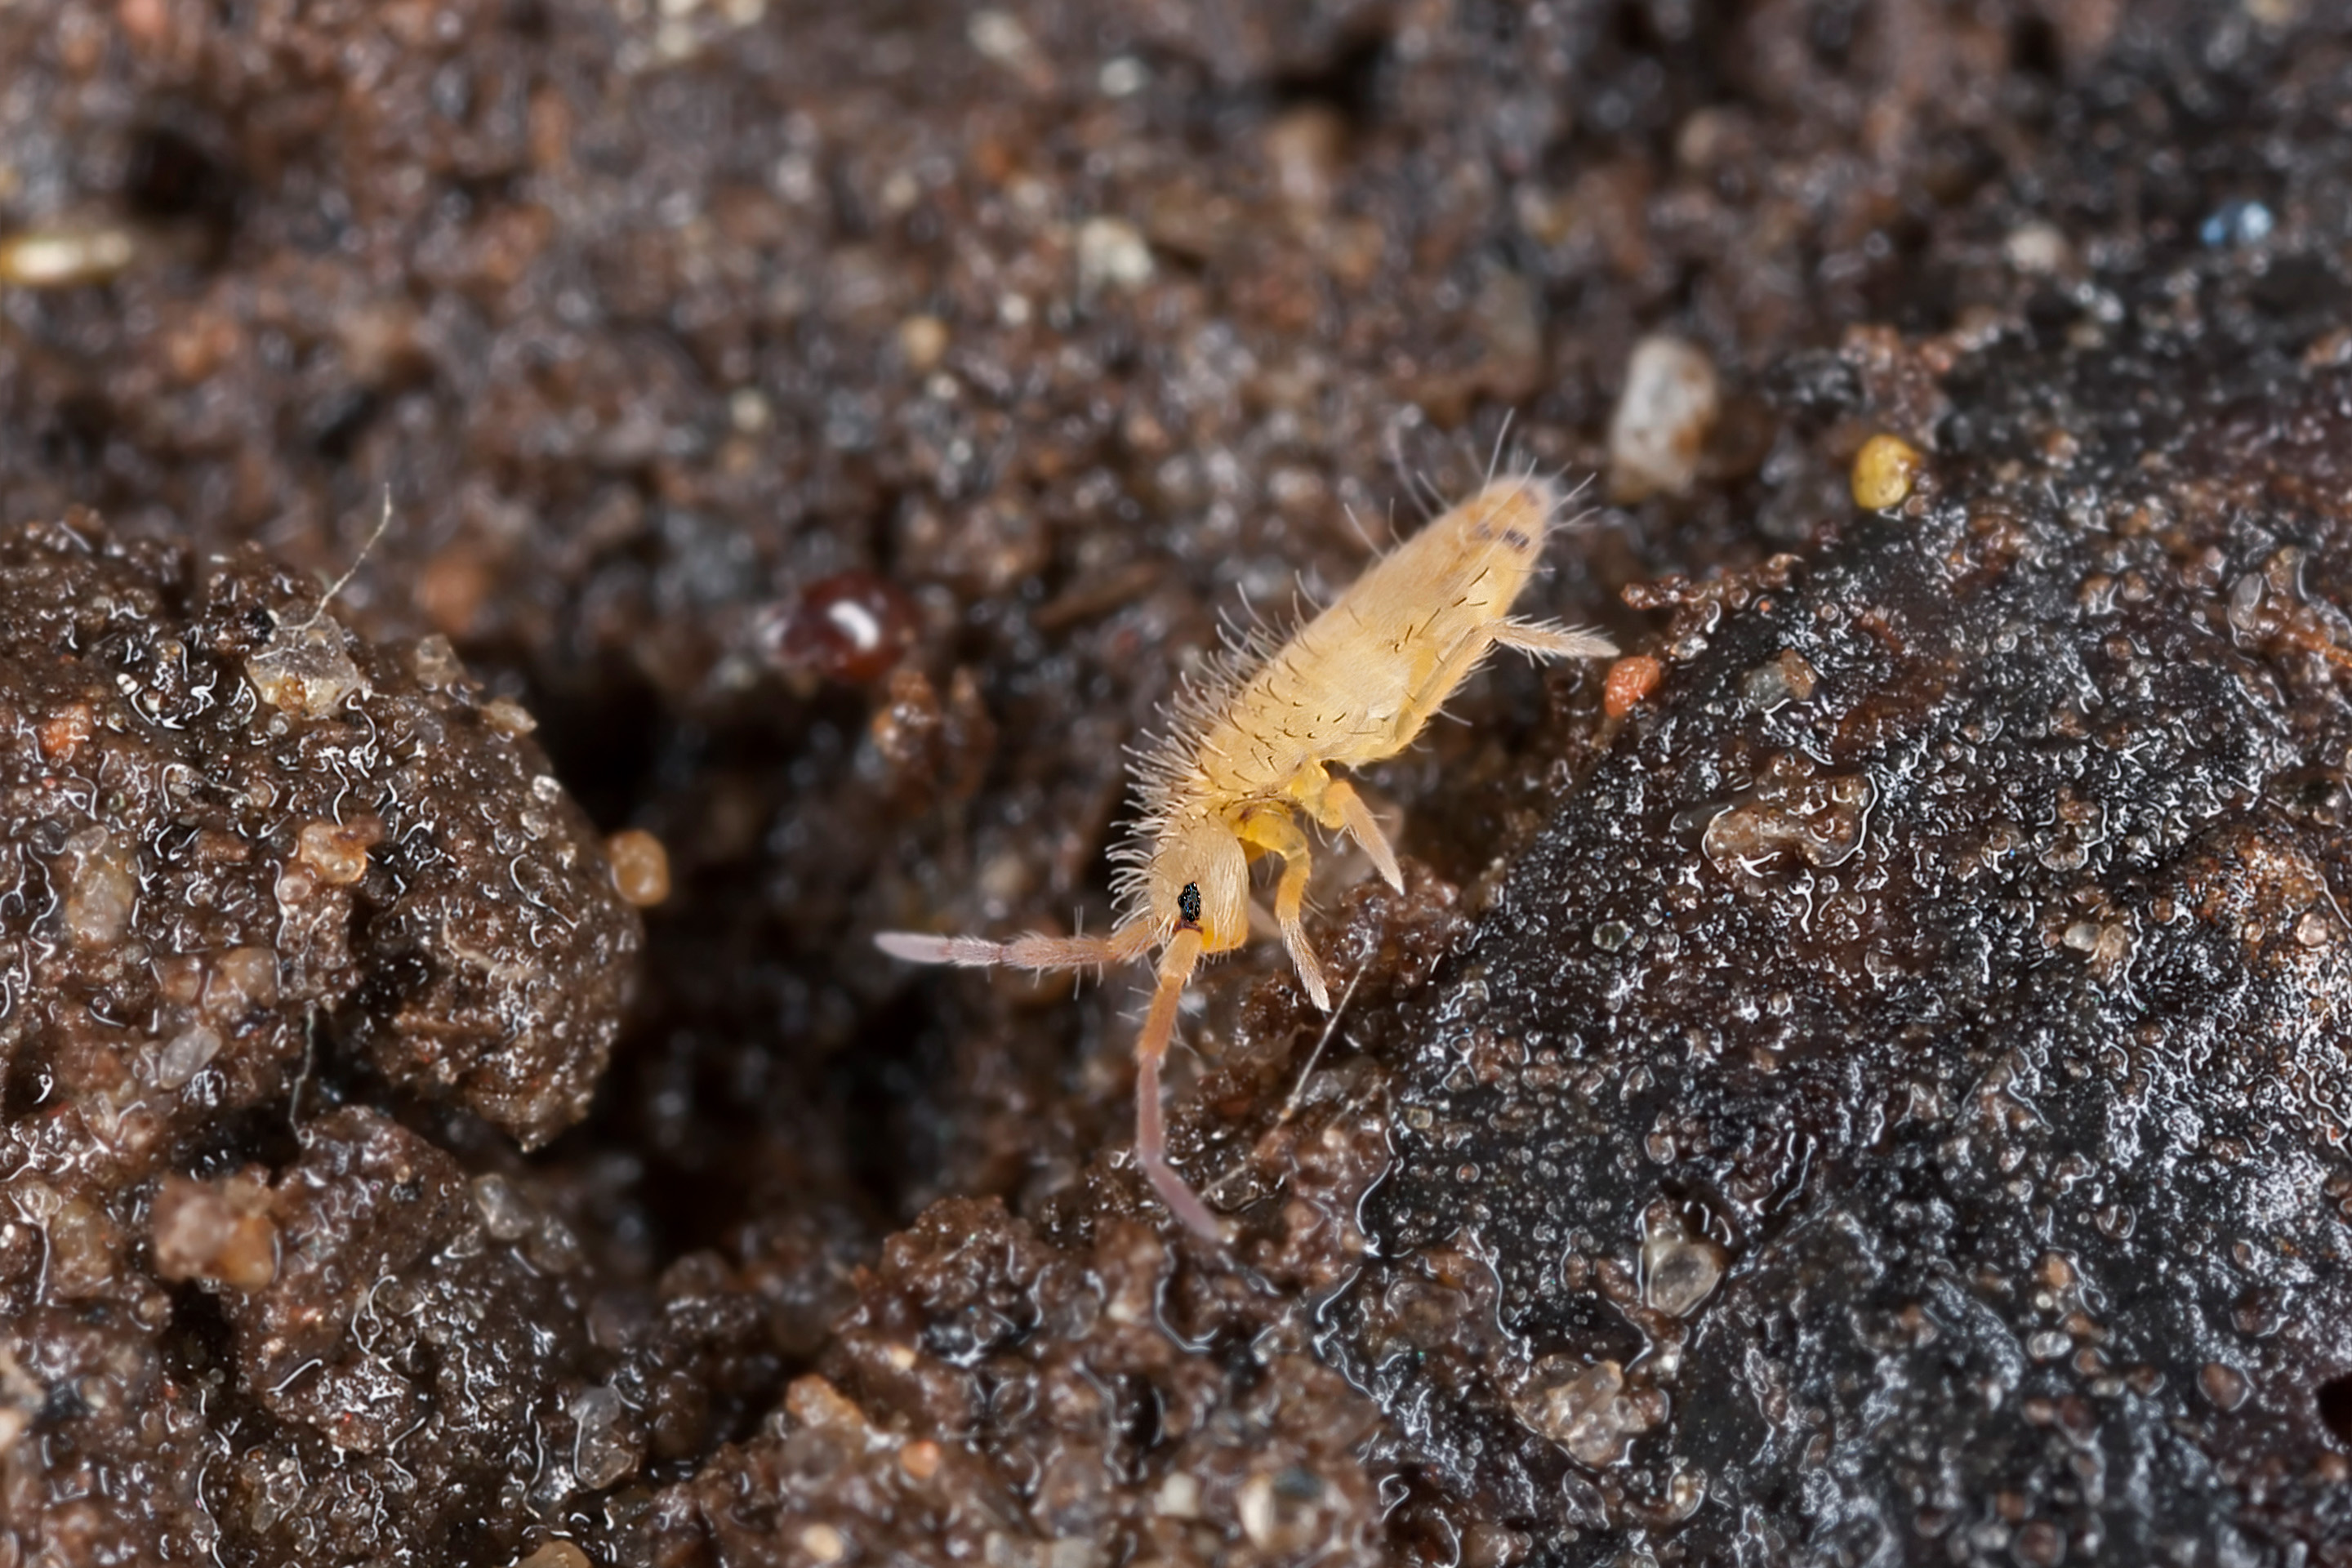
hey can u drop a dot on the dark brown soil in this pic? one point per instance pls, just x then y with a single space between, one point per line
1875 1095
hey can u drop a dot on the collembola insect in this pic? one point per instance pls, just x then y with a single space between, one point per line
1251 748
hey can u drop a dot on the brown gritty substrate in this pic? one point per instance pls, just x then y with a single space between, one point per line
1867 1084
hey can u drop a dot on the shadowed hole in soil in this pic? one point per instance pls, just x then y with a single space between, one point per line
170 174
606 736
25 1085
198 1338
2335 1407
2035 48
1347 83
883 1101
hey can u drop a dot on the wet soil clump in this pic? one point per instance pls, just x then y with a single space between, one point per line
270 884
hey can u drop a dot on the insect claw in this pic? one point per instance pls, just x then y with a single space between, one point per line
1310 974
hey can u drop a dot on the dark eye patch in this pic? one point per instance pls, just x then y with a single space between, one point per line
1188 903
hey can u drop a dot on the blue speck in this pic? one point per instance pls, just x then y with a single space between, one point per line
2237 224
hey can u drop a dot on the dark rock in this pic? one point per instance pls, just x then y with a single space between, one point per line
1930 1090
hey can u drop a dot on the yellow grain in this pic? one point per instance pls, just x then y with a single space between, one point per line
1885 471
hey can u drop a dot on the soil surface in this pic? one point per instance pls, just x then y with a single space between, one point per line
1861 1080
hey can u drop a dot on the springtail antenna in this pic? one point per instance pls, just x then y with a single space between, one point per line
1033 952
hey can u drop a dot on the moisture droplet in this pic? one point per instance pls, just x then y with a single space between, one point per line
1679 1270
2224 1385
304 668
505 1215
601 1454
2246 602
1591 1414
1777 682
185 1056
101 887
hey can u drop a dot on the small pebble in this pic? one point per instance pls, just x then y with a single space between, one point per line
64 258
1663 418
640 866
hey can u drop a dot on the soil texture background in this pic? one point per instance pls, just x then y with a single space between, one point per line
1862 1079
